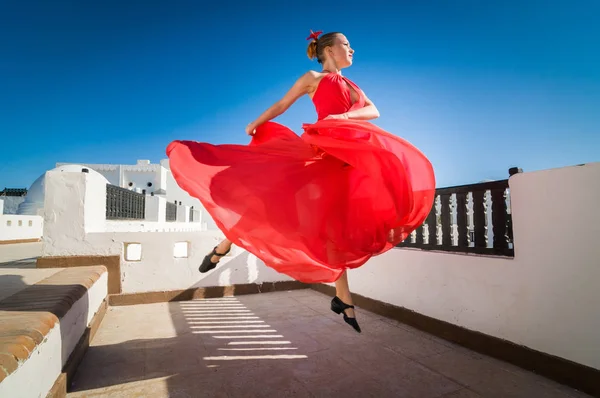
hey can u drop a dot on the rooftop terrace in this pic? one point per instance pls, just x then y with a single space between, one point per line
284 344
275 344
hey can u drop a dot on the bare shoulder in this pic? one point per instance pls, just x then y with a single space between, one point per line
312 80
311 77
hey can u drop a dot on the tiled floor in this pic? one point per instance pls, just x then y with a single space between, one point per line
18 267
284 344
20 255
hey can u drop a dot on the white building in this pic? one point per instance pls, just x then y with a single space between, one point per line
142 177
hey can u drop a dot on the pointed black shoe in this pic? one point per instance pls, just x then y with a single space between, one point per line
207 265
338 306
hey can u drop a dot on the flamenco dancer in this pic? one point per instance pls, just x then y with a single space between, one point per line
315 205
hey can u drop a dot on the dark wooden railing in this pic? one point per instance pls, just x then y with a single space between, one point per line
123 204
171 211
460 220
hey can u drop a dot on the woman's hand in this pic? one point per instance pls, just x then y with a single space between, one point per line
340 116
250 129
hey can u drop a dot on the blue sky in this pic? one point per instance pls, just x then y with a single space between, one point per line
478 86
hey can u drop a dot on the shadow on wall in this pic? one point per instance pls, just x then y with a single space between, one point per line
239 268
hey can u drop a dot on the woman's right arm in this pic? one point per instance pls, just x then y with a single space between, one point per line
303 85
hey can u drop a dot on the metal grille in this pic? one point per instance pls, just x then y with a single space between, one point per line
460 221
171 212
123 204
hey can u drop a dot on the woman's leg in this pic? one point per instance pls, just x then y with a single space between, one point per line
222 247
342 302
342 290
211 259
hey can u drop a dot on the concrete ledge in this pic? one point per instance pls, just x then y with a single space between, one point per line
59 389
203 292
43 324
70 368
112 264
561 370
10 242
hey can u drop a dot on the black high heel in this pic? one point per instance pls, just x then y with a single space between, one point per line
338 306
207 264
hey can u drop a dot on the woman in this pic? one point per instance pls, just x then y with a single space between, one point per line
313 206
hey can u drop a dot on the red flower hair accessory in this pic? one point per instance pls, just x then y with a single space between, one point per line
314 35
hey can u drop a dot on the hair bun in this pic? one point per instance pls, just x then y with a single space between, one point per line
311 51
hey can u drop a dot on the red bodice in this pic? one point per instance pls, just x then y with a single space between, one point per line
332 96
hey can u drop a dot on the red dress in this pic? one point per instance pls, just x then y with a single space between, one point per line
314 205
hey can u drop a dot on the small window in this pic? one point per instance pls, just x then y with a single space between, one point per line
133 251
8 223
180 249
20 223
30 223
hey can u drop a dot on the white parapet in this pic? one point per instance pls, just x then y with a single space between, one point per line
15 227
544 298
74 205
156 208
183 213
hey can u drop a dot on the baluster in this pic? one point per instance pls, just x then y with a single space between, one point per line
445 220
479 219
438 221
431 227
453 216
470 224
486 209
499 219
419 236
509 228
461 220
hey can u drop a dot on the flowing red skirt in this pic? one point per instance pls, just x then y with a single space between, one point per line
310 206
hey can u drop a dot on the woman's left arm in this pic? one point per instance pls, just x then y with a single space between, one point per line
367 112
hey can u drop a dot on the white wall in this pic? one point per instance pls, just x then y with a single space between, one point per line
158 269
75 225
546 298
113 176
152 226
140 179
18 227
